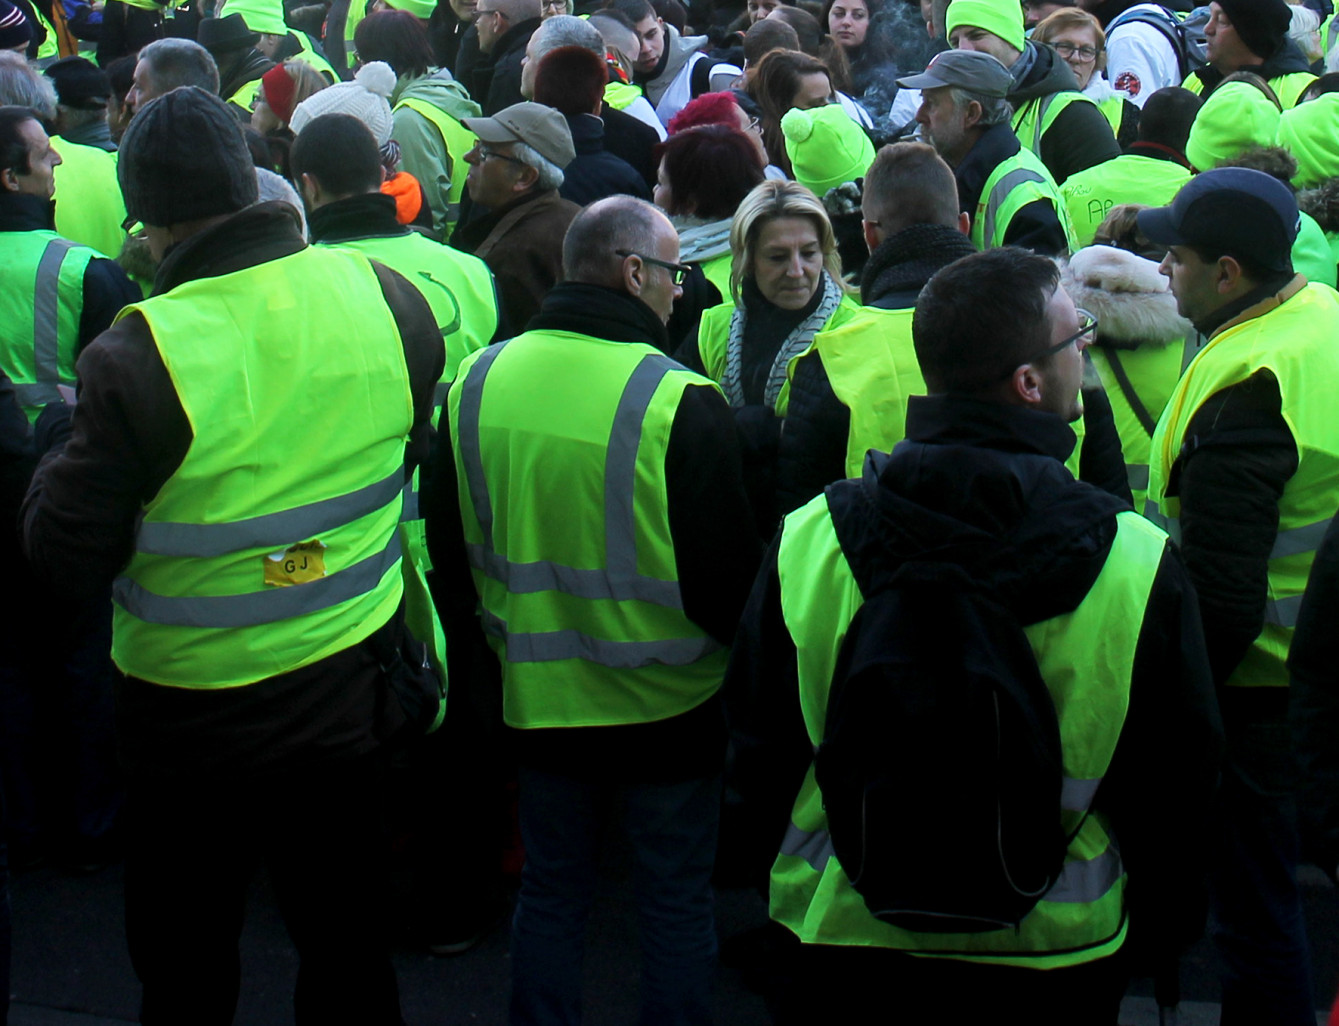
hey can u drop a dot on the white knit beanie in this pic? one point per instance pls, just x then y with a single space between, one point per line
365 98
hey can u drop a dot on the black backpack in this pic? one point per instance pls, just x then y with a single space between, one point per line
940 766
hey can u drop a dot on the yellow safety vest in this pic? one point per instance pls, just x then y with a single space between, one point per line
274 544
42 299
871 366
1294 341
458 139
1014 183
1082 917
583 605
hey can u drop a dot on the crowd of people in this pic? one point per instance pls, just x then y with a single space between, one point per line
872 450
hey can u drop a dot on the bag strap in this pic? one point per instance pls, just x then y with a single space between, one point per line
1131 396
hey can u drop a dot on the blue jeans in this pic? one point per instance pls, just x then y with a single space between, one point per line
1259 928
672 830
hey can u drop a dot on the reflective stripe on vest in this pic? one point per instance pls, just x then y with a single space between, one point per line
1081 918
44 274
1293 341
618 579
259 556
588 596
1015 182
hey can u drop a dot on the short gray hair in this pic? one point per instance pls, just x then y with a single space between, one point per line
550 174
174 62
995 110
566 30
22 86
600 230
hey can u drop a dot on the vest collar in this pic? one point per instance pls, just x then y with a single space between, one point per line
1257 305
265 231
995 145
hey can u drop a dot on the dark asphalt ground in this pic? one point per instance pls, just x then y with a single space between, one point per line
71 967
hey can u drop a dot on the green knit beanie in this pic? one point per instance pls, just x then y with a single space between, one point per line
1002 17
265 16
421 9
826 148
1311 133
1234 118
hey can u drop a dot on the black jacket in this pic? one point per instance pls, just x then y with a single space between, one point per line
1081 136
504 81
106 288
988 469
710 527
130 435
445 32
127 29
1314 708
595 173
1036 226
633 140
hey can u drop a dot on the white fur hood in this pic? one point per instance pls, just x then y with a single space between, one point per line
1126 293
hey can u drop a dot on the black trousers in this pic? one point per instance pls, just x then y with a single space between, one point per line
191 850
830 984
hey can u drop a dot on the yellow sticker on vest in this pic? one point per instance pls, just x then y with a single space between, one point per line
296 564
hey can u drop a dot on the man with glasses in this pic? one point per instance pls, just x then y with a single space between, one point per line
1244 470
609 541
1004 189
515 172
1110 619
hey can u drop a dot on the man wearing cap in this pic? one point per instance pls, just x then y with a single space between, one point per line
1050 117
1005 190
516 169
82 92
1252 35
612 615
1244 470
241 66
248 524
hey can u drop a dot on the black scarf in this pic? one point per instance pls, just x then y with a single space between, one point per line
904 262
600 313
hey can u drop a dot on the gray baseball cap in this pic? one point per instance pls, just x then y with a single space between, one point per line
539 127
978 73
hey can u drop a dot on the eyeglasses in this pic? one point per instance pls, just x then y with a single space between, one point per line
1088 328
487 154
1069 51
483 14
754 125
677 271
555 5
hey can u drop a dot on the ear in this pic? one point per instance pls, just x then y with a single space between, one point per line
10 180
872 239
1025 385
1228 275
972 114
634 275
965 223
525 180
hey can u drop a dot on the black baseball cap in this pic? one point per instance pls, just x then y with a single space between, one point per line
1230 210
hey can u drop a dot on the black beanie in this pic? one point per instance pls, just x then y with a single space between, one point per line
1261 24
183 158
